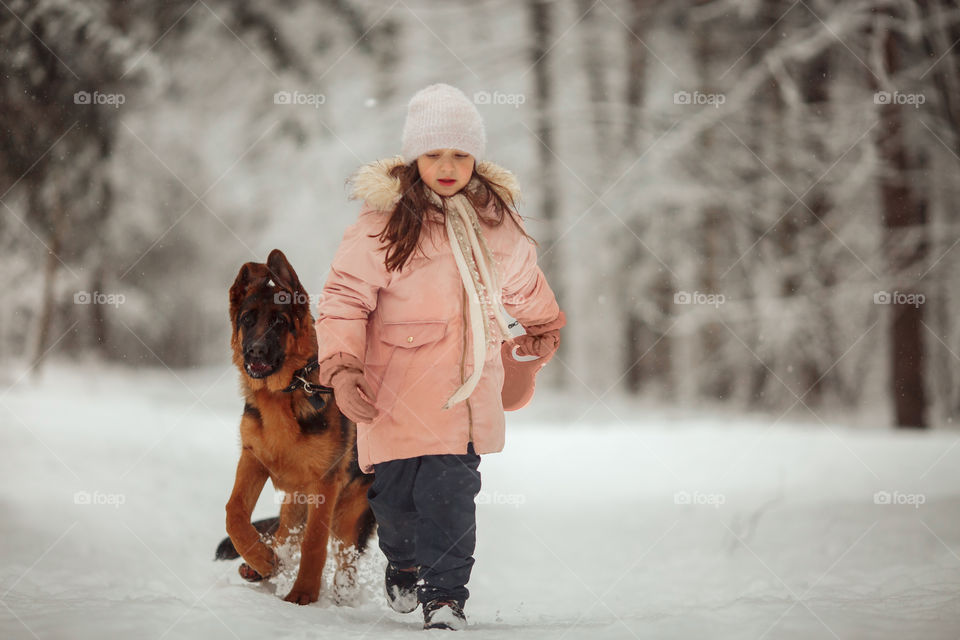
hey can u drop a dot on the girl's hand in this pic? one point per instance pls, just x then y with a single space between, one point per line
539 345
347 385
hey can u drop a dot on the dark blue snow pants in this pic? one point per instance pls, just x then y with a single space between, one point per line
426 516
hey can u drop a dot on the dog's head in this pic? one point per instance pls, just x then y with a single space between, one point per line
270 313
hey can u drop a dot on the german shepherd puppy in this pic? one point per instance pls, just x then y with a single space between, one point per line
291 432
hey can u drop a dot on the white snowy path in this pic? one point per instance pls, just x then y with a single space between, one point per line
580 534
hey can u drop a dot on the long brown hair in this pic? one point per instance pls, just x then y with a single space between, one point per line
402 231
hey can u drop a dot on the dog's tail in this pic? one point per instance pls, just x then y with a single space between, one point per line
226 550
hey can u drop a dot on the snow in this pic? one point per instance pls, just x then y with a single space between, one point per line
656 523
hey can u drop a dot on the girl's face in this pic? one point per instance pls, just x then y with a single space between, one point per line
446 171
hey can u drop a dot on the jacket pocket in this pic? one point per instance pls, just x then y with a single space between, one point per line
404 340
413 334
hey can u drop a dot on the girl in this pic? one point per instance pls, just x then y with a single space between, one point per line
409 328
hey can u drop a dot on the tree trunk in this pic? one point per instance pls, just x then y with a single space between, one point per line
541 17
713 380
903 212
541 22
594 67
816 102
636 72
649 350
937 39
50 268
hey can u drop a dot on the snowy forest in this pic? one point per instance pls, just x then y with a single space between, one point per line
745 203
746 208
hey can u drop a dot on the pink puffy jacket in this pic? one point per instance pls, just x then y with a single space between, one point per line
409 330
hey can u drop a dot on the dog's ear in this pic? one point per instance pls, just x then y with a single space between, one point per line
239 289
286 278
281 271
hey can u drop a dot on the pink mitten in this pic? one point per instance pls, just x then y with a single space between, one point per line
539 345
347 387
519 377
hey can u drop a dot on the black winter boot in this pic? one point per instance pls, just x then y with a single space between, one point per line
400 587
444 614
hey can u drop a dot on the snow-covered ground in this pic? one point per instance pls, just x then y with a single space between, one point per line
650 524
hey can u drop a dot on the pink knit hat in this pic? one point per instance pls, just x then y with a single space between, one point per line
442 117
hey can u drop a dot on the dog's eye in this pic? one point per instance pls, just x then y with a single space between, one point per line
280 321
247 319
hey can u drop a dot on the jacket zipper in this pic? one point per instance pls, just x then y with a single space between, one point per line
463 358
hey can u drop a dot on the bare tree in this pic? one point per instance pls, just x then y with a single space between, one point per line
903 219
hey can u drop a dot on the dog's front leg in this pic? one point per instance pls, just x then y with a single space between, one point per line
293 515
313 549
251 476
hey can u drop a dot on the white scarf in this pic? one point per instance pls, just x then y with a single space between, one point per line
478 271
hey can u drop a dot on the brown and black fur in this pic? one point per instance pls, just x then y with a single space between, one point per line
309 453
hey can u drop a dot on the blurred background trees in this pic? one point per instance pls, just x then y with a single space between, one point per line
741 203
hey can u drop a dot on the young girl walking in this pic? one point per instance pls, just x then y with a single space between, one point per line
410 329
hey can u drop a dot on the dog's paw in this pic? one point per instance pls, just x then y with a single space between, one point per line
346 590
302 596
261 563
249 574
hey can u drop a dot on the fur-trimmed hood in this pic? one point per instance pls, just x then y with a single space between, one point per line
374 184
